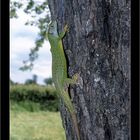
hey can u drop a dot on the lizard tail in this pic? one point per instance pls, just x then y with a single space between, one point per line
73 115
70 107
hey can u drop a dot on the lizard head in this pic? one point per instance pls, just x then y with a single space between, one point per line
53 28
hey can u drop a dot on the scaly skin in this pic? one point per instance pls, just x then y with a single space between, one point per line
59 70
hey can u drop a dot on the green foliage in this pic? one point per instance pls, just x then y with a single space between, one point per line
35 78
48 81
29 95
40 17
13 8
31 81
29 6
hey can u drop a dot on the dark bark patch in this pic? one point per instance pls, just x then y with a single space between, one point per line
107 129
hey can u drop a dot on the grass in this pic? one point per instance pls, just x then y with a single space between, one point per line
40 125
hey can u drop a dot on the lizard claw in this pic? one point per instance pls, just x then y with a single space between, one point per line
75 77
66 28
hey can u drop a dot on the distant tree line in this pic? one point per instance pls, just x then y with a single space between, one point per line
47 81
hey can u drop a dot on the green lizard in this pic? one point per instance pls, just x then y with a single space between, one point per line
59 70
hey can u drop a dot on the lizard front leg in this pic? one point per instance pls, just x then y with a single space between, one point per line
62 34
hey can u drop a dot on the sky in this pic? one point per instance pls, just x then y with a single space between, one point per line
22 39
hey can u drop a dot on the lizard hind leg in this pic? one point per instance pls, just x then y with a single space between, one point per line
72 80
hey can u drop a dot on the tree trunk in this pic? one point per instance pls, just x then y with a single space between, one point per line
97 47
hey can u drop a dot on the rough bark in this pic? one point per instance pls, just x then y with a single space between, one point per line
98 48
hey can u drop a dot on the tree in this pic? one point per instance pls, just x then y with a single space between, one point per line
98 48
35 78
48 81
31 81
36 10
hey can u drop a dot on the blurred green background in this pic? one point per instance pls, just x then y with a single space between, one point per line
34 113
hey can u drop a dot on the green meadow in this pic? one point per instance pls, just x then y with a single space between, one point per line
29 121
